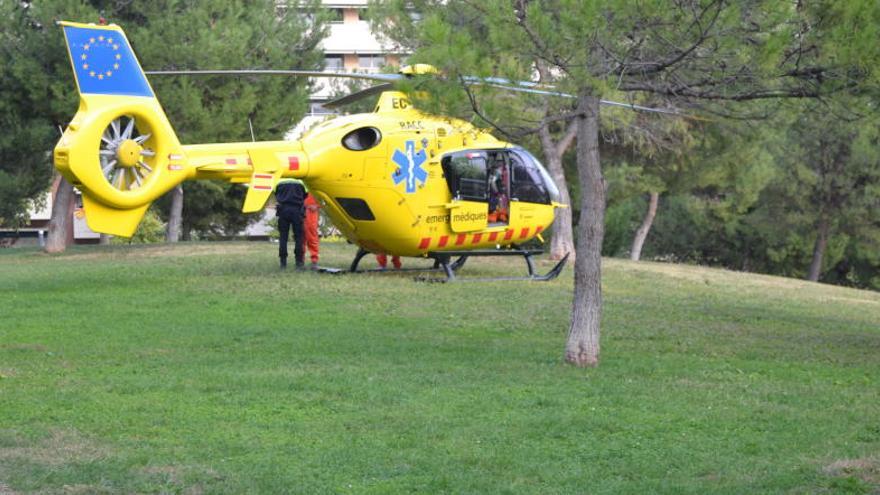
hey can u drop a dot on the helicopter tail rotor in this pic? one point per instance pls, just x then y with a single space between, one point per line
119 150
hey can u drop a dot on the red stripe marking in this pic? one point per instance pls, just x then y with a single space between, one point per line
524 233
538 229
263 187
460 239
426 241
231 161
262 176
493 236
477 238
508 235
443 240
293 163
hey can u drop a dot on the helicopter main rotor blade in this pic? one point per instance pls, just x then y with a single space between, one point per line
276 72
531 88
358 95
640 108
495 82
505 82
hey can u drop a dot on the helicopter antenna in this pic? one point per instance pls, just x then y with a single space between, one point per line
251 125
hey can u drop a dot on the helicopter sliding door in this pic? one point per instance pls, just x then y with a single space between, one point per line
466 177
479 181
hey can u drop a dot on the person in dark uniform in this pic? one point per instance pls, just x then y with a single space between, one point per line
290 195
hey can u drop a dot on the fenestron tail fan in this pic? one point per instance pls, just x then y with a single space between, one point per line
121 152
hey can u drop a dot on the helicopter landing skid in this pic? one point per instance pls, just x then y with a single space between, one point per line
454 266
442 259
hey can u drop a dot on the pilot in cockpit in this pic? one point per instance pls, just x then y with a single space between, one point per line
498 201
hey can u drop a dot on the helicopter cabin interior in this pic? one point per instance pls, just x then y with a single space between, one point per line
497 177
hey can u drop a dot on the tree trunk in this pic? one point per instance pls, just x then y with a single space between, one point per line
562 242
582 348
819 250
172 233
642 233
61 222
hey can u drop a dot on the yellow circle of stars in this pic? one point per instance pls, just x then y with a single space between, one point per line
84 58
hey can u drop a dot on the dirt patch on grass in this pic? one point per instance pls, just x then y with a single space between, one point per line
855 300
5 490
81 489
176 476
169 474
24 347
58 448
866 469
743 280
7 373
161 251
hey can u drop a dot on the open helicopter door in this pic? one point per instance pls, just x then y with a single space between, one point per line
479 181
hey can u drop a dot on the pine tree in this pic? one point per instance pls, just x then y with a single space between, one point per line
231 34
36 100
709 50
38 95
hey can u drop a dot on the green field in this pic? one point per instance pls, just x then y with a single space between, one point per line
201 368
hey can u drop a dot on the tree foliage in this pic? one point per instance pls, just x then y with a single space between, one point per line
223 35
697 52
36 99
37 93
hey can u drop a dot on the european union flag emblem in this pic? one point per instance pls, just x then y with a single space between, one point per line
104 62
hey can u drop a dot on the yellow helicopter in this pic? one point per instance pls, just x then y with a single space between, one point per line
393 181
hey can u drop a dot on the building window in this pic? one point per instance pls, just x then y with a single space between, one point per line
336 16
333 62
371 61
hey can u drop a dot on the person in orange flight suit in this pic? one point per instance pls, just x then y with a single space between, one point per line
311 229
382 258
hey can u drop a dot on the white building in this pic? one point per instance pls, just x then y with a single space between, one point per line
351 47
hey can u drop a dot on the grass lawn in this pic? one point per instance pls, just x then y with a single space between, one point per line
201 368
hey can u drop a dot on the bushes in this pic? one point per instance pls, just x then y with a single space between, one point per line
150 230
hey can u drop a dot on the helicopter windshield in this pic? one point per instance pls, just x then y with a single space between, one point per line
531 182
499 174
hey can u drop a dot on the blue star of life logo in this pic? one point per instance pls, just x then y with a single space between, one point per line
410 166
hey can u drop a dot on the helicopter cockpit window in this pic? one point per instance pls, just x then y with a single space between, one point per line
466 175
526 184
530 182
362 139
